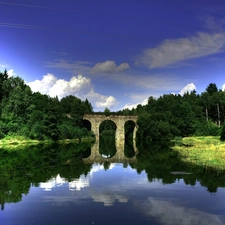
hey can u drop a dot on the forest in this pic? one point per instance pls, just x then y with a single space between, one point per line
40 117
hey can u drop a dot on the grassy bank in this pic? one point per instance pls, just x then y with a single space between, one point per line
203 151
13 142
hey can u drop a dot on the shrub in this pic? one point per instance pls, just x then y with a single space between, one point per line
222 136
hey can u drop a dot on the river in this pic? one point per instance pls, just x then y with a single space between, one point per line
66 184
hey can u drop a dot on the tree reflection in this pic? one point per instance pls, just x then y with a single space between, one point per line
129 149
34 164
23 167
158 161
107 146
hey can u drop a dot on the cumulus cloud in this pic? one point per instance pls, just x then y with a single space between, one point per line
223 87
59 87
109 67
11 73
188 88
101 101
131 106
78 86
172 51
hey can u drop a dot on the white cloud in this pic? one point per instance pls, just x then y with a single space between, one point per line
188 88
109 67
131 106
78 86
43 85
11 73
101 101
172 51
223 87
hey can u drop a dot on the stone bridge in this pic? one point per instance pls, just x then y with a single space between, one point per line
120 121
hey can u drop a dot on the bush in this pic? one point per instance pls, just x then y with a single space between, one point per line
222 136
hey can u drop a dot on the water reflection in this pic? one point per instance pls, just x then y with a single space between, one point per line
107 150
107 146
171 204
58 179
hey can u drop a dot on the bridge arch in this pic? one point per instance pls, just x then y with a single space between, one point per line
120 121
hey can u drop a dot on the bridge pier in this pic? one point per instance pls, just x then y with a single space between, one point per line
120 121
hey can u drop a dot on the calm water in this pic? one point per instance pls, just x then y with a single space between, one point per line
53 185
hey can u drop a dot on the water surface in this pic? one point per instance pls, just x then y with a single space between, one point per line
59 188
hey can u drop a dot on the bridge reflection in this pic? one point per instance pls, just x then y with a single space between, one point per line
119 156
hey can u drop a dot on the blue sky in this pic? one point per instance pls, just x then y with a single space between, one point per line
115 53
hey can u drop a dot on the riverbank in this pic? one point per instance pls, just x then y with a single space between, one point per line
203 151
14 142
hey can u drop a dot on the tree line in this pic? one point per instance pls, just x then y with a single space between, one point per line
38 116
172 115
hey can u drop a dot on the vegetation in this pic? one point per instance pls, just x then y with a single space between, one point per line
160 161
35 116
39 163
172 115
29 116
208 152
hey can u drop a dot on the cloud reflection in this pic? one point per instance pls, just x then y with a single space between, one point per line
107 197
95 188
170 213
75 184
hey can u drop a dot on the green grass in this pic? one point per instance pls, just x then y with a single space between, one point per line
14 142
203 151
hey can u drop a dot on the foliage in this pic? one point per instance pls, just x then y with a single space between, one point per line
38 163
37 116
187 115
41 117
204 151
107 111
222 137
107 126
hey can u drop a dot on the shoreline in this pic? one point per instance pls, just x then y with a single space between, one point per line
206 151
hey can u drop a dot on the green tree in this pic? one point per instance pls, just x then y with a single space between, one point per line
106 112
211 89
3 78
